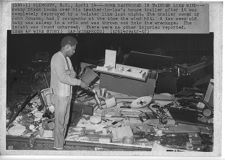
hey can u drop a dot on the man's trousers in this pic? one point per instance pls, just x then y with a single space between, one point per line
62 114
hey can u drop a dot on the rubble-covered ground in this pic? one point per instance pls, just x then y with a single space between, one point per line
127 126
22 83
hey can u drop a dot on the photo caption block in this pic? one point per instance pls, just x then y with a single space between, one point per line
110 18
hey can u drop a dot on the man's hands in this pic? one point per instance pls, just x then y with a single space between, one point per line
73 74
84 85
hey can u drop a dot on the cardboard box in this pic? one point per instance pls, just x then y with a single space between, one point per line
128 86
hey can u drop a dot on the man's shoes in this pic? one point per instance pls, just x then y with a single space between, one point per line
55 148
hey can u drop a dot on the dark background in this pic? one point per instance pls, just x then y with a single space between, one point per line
185 48
25 75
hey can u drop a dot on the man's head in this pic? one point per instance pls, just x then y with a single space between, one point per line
68 45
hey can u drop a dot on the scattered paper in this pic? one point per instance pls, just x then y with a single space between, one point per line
121 132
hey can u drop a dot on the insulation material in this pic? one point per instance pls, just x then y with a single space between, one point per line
17 130
95 119
110 102
121 132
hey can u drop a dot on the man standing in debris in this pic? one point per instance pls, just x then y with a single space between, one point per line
62 80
